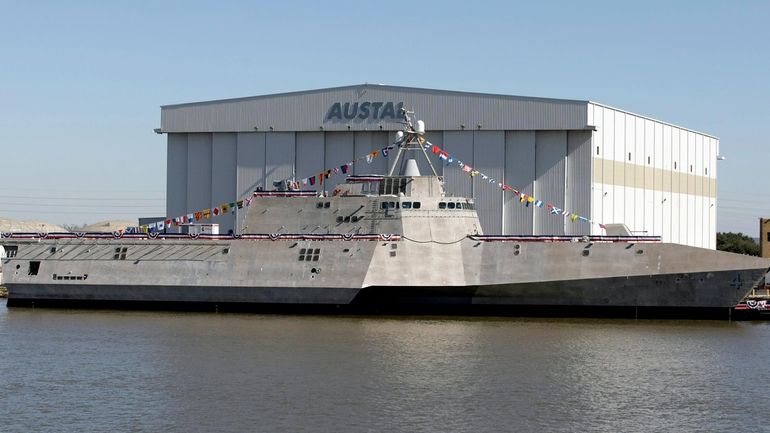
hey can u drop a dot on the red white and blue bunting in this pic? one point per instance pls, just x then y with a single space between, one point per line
385 237
204 215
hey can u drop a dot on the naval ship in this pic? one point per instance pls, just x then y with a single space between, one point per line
377 244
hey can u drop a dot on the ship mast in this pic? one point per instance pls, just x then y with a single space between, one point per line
411 139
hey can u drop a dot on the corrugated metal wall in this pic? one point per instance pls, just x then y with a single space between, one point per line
459 144
519 173
657 178
176 181
251 162
224 179
309 111
198 172
577 192
279 157
550 153
310 156
210 169
488 153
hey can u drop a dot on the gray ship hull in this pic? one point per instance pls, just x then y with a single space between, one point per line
629 279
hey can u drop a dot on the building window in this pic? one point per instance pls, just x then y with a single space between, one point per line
768 236
327 205
648 160
690 168
597 150
674 165
707 171
629 156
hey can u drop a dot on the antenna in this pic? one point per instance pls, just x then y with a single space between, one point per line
410 139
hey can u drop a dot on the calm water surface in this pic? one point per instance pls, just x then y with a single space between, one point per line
67 370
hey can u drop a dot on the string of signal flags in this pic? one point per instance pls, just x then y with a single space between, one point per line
320 178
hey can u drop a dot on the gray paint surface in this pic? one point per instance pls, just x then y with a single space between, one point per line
177 175
441 110
199 171
224 168
310 156
550 152
488 152
577 189
279 157
519 173
459 144
251 162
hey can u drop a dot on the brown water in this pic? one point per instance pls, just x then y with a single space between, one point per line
67 370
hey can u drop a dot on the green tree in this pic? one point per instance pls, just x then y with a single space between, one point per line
737 243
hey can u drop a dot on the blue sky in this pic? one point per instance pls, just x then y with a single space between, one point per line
81 83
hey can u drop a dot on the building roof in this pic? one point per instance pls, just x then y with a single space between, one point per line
372 107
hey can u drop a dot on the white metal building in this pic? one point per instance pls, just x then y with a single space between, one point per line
601 162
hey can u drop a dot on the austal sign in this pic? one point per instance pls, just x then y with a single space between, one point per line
364 110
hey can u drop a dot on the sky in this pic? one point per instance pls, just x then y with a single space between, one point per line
81 83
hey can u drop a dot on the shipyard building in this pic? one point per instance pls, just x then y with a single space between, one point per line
605 163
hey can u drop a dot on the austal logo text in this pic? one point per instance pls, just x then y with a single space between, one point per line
364 110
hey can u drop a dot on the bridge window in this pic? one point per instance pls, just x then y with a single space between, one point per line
10 251
309 254
392 186
389 205
120 253
442 205
416 205
450 205
406 205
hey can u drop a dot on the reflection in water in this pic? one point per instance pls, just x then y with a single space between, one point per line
95 370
